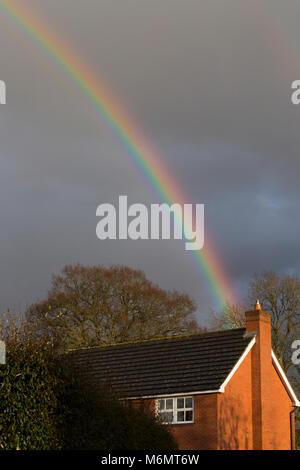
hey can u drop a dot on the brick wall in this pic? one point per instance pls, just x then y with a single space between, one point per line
202 434
235 410
280 403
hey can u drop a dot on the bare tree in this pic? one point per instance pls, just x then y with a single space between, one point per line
92 306
232 316
279 295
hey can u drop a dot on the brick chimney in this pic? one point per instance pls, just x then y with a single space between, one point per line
259 322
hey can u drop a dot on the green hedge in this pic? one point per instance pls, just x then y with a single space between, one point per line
28 398
45 405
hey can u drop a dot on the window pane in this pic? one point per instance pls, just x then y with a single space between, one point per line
166 417
188 416
169 404
180 416
161 405
180 403
189 402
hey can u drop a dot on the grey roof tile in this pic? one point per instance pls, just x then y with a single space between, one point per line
193 363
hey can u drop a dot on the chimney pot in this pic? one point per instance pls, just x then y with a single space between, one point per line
257 306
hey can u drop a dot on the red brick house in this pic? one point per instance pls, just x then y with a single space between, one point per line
220 390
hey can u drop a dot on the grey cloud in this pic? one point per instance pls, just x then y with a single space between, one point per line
208 83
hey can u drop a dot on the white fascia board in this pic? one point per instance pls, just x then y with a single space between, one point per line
285 380
185 394
237 365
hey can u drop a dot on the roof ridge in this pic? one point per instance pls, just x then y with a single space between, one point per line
149 340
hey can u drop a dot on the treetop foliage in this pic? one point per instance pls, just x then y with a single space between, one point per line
90 306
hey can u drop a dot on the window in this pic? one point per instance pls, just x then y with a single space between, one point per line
175 410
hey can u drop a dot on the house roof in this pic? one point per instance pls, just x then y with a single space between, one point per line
175 365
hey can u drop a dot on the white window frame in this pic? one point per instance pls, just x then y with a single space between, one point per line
174 408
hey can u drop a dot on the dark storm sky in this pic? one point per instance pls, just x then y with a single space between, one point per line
208 82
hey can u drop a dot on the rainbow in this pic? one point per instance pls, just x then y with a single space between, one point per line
147 160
